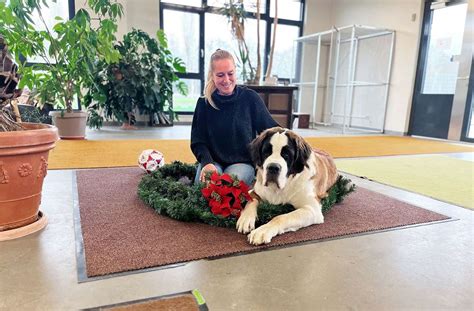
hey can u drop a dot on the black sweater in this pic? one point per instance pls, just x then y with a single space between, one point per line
223 135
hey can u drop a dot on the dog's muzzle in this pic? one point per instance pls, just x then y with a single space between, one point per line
273 172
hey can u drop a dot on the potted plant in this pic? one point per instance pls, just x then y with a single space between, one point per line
24 149
69 51
142 80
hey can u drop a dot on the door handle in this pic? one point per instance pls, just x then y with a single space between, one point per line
463 78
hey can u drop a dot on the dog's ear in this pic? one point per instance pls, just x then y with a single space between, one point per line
302 153
255 148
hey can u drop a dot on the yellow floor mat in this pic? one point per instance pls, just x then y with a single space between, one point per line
373 146
114 153
440 177
70 154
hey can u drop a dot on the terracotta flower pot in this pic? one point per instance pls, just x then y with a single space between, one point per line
23 166
70 125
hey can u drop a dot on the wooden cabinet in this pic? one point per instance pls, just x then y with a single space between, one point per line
279 101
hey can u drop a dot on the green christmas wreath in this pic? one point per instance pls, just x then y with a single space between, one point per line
170 192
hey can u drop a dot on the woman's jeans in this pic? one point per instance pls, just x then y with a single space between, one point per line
243 171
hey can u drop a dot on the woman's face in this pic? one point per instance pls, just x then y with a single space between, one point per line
224 76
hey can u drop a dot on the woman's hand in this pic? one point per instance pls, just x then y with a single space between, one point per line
207 168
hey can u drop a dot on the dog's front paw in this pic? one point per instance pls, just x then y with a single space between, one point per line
262 235
319 218
246 221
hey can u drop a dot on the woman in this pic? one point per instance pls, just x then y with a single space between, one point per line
226 119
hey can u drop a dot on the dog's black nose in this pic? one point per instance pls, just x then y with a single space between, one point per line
273 168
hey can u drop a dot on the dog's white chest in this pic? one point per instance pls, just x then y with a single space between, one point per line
295 190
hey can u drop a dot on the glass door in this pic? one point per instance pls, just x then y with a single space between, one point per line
467 133
438 67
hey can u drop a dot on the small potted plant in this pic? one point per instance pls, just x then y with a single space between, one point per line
69 52
142 80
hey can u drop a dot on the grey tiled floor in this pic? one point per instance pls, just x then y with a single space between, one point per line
419 268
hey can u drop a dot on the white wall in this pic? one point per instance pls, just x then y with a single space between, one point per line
318 15
143 14
140 14
392 14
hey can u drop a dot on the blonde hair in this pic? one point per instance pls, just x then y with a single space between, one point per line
210 85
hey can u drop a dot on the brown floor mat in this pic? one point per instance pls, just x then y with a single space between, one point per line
188 301
120 233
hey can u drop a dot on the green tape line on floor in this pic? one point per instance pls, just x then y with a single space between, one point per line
200 300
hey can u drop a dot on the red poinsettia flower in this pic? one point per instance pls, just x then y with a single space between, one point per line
227 178
225 207
245 190
226 212
206 192
225 195
236 192
237 203
215 207
215 179
224 190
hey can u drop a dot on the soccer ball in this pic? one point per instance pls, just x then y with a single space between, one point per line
150 160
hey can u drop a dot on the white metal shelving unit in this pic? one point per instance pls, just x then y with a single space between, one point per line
357 64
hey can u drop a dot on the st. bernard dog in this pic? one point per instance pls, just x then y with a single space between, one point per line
290 171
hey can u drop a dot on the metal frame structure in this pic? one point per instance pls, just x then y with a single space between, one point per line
333 39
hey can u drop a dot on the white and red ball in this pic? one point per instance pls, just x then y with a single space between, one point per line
150 160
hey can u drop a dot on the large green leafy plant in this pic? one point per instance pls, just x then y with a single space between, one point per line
142 79
69 50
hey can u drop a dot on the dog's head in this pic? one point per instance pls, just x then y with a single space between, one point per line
279 153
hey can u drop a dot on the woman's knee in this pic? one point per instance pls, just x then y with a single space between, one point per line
243 171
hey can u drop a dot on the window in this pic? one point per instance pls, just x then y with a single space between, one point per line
292 10
286 34
187 103
221 38
182 42
251 38
445 44
249 5
50 11
195 29
217 37
196 3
